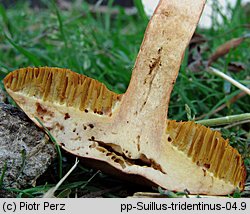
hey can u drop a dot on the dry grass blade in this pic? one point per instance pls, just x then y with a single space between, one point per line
225 49
220 108
229 79
50 193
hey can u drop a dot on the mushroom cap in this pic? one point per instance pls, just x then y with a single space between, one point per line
80 113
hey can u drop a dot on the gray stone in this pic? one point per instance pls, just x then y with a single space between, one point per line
3 97
24 148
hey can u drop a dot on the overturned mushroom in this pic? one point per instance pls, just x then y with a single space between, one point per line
130 133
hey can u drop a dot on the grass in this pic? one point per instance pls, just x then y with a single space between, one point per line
58 149
104 46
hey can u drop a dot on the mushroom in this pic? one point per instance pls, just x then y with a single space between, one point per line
129 134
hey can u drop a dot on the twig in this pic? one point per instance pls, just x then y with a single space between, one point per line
236 124
225 120
90 179
229 79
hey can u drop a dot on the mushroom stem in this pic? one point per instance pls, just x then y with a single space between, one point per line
158 63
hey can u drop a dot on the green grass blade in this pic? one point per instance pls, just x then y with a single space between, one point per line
60 22
64 193
25 52
6 20
138 4
56 145
222 101
225 120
